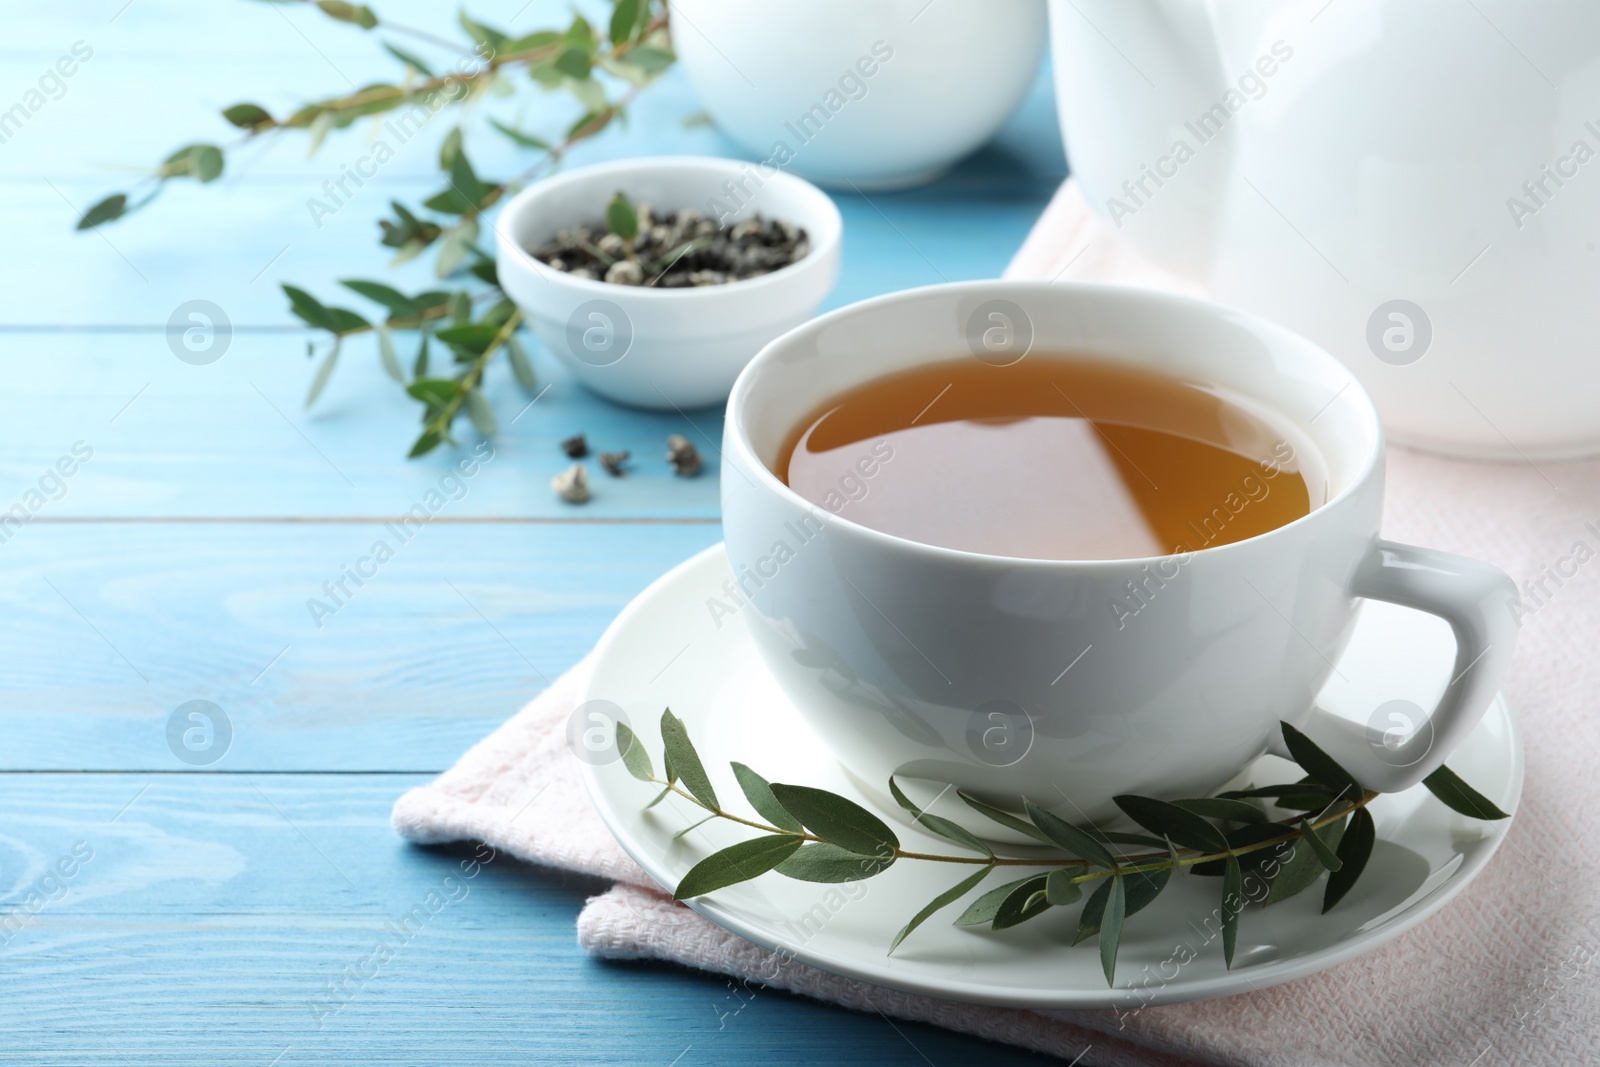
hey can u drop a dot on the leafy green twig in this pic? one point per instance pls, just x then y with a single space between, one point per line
585 61
814 835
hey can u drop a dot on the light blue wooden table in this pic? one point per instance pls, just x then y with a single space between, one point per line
209 907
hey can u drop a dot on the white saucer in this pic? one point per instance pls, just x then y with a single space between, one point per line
667 650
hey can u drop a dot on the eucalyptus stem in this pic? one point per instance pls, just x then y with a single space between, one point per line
1139 864
440 423
812 835
602 65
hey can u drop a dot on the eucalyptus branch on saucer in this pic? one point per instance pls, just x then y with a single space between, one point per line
602 68
816 836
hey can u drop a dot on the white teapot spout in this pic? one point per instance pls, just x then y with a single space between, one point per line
1152 94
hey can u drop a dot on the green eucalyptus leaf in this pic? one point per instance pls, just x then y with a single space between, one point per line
533 42
208 163
546 74
621 218
1232 891
408 59
465 180
1094 910
1318 764
355 14
247 116
1458 796
424 444
737 863
387 356
1064 835
500 312
486 271
391 298
324 372
343 320
1140 890
480 413
1111 928
835 819
473 337
943 900
307 307
448 201
1169 820
1231 809
686 761
943 827
590 93
659 797
450 148
419 369
1354 851
759 793
453 251
574 63
624 20
520 365
487 36
819 861
621 68
1026 901
320 127
1302 869
436 391
1004 818
203 162
591 122
526 140
634 757
651 61
581 34
112 207
460 307
1324 852
981 912
1061 887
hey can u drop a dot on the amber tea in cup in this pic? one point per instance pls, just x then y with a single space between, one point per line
1053 457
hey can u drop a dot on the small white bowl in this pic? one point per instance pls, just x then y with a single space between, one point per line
665 348
882 94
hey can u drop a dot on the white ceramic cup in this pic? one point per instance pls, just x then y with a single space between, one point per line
1010 676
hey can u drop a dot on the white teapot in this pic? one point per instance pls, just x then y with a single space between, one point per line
1414 184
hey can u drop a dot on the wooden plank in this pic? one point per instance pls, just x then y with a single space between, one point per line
280 56
108 628
215 914
232 242
233 438
233 245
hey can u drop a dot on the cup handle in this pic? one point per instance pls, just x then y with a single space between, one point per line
1475 599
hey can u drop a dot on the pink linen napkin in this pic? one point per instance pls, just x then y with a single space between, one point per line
1504 974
